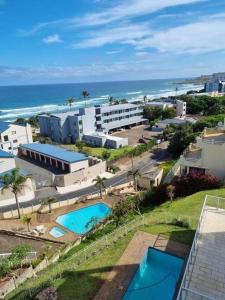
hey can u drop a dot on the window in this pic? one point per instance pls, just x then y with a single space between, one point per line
6 138
80 122
13 132
15 141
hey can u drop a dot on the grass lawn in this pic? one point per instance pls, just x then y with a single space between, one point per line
82 283
97 151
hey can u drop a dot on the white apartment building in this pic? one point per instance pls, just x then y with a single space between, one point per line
13 135
7 164
179 105
207 155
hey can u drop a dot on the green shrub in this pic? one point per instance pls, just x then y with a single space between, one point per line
179 223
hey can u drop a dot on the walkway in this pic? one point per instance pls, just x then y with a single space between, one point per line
119 278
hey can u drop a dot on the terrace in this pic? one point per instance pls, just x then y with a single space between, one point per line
204 277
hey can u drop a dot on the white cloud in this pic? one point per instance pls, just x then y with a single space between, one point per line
52 39
199 37
122 11
113 35
114 51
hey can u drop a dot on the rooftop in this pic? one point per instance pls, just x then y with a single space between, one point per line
4 154
106 108
56 152
4 126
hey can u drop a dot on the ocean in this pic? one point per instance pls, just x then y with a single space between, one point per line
25 101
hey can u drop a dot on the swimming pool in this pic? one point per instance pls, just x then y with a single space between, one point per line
57 232
84 219
156 277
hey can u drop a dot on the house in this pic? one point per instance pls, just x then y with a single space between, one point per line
99 139
151 178
7 164
13 135
207 155
72 126
161 125
57 166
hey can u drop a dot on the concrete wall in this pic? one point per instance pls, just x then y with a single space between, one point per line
26 194
82 175
181 108
7 164
78 165
146 183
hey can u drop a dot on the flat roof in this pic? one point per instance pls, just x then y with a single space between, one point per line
4 126
106 108
56 152
4 154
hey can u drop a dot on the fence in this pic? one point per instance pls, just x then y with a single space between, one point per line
73 262
185 292
34 208
173 172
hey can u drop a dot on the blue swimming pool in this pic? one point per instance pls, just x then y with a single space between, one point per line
84 219
57 232
156 277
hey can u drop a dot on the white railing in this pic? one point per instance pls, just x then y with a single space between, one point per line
184 291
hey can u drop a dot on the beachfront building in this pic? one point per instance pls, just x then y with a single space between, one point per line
56 166
86 122
179 105
207 155
216 86
7 164
13 135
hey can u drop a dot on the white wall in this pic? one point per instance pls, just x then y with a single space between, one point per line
7 164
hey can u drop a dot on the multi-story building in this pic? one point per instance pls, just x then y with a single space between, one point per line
179 105
207 155
216 86
13 135
72 126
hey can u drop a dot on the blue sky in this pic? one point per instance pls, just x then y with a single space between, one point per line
53 41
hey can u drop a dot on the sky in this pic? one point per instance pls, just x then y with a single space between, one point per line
58 41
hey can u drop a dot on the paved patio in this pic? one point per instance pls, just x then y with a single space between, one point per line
117 280
208 273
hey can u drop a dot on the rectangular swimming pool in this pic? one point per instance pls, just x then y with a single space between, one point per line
156 277
84 219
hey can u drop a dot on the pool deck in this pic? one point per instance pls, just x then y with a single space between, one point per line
117 280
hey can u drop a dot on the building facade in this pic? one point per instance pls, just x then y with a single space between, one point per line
55 166
180 106
13 135
72 126
207 155
216 86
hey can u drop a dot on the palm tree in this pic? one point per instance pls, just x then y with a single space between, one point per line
85 95
15 182
134 173
100 183
27 220
70 102
50 200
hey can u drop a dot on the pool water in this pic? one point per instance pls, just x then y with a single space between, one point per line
57 232
84 219
156 277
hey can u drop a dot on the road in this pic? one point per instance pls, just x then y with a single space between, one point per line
144 165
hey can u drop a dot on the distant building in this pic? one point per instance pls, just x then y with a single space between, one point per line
7 164
216 86
180 106
161 125
58 166
150 179
72 126
98 139
207 155
13 135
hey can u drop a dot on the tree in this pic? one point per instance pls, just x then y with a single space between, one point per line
134 173
170 191
182 138
106 155
169 113
34 122
15 182
85 95
27 220
153 113
49 201
80 145
145 99
70 102
21 121
100 183
111 100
